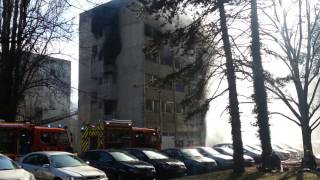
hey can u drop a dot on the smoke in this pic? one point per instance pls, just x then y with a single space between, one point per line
282 130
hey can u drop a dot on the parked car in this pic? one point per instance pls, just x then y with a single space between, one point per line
165 167
252 152
283 155
56 165
11 170
194 161
119 164
247 150
249 161
223 161
293 154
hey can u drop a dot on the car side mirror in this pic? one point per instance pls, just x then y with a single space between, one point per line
47 166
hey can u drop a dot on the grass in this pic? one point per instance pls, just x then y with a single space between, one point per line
252 173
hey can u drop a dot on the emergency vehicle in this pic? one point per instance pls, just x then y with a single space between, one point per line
119 134
21 138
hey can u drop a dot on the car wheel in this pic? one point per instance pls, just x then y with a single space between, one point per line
57 178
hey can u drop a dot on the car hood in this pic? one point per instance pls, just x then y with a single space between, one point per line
82 170
247 158
201 159
167 161
137 164
222 156
14 174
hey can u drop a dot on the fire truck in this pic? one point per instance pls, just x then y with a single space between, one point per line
119 134
21 138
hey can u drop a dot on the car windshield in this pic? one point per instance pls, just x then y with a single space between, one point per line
7 164
61 138
120 156
210 150
154 155
66 160
249 148
191 152
228 150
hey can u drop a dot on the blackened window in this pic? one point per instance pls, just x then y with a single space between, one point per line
110 106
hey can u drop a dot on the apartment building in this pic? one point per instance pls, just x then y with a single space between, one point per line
116 74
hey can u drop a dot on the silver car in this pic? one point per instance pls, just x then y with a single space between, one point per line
56 165
11 170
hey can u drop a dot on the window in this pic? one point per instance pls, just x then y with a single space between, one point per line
138 154
152 105
180 86
151 32
169 107
149 105
149 80
66 160
154 155
32 159
152 55
120 156
156 106
168 85
179 108
104 157
45 138
36 159
61 138
167 58
7 164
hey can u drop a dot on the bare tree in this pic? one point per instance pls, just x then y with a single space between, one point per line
260 96
298 48
28 29
213 36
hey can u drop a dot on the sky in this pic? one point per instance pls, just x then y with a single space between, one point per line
218 126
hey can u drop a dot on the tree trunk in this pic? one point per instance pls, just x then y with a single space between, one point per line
259 89
233 96
308 156
8 107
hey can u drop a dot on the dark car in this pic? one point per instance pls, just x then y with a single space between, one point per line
165 167
223 161
247 150
194 161
248 161
119 164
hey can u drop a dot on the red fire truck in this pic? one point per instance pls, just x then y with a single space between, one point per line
119 134
20 138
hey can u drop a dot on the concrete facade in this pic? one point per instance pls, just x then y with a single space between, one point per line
115 71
